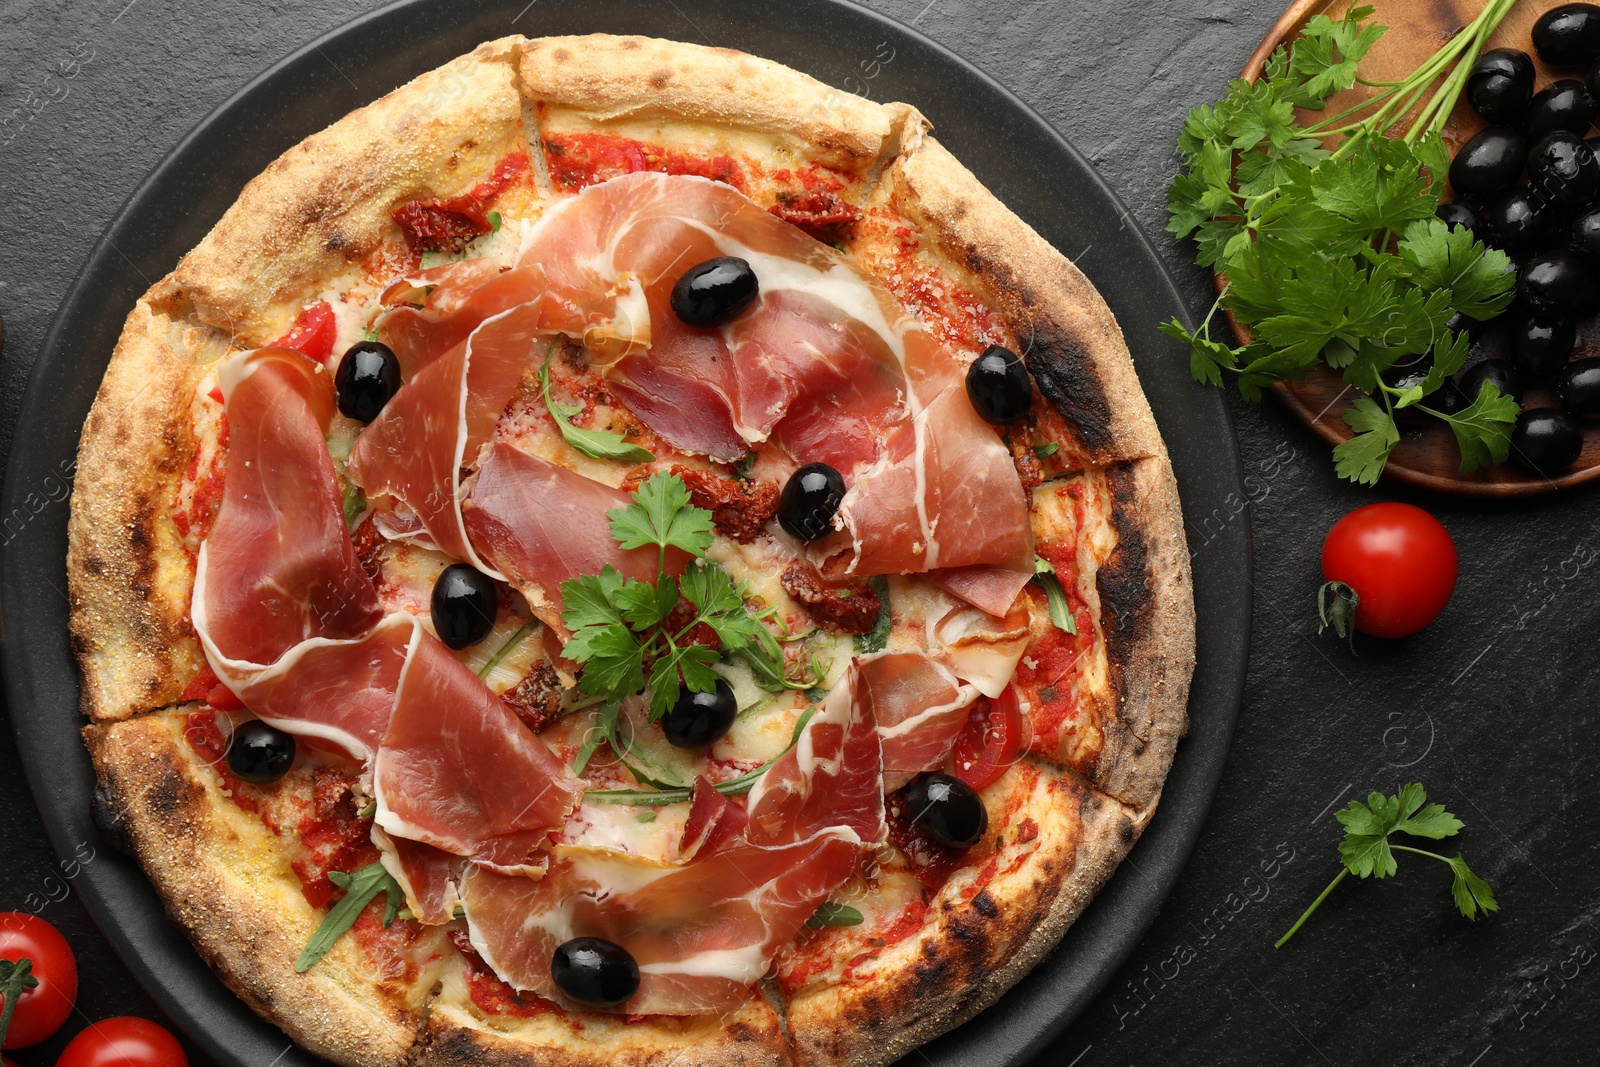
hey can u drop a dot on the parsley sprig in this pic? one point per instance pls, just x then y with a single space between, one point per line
1366 850
620 626
1334 254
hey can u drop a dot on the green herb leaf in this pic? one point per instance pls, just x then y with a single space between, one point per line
877 638
496 220
1061 615
830 914
1367 852
1480 280
1362 458
1483 429
732 787
505 650
361 887
662 515
599 444
1046 450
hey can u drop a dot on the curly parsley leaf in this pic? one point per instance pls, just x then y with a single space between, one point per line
662 515
1367 852
598 444
361 888
1483 429
1361 458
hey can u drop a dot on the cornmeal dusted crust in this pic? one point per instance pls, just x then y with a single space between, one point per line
319 216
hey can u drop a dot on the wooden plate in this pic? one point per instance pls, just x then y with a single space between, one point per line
1427 455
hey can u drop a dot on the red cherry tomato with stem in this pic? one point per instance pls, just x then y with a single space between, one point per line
38 995
1399 561
125 1041
988 744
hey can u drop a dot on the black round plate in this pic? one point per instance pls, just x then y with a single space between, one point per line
1026 163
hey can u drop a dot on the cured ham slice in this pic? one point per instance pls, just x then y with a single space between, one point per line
278 567
714 822
455 298
458 770
541 524
435 425
920 709
993 589
701 934
426 874
829 781
827 365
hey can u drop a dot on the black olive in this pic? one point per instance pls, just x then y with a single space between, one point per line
1461 322
1490 163
1563 105
1448 398
998 386
947 810
1578 387
1553 283
1499 99
1568 34
715 292
810 500
260 753
1541 346
367 379
1564 170
1546 440
1592 80
699 719
1460 213
464 604
1497 372
1518 221
1511 63
592 970
1585 235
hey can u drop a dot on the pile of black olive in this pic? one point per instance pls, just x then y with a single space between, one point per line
1549 225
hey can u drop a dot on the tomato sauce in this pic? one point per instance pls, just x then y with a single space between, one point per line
334 834
449 223
579 160
491 994
200 729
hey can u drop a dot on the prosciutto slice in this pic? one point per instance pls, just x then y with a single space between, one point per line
702 933
458 770
714 822
434 426
829 781
920 709
426 874
541 524
827 365
455 298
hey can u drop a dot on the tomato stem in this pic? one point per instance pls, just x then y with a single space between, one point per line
15 978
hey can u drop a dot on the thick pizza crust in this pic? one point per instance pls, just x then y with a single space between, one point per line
1147 614
226 883
975 945
127 574
324 205
457 1035
642 83
1068 335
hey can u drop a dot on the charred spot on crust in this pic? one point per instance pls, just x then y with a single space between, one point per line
108 819
170 793
1126 604
984 905
1066 377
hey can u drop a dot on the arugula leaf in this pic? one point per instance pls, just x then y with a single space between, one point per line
505 650
877 638
361 887
496 220
599 444
1049 448
830 914
1366 851
1044 574
1361 458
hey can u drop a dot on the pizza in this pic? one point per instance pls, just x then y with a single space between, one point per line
618 552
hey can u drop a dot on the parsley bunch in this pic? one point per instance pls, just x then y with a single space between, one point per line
620 630
1335 254
1366 851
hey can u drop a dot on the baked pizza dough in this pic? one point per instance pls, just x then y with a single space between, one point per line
377 214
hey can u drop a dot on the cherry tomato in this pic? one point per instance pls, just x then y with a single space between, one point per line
988 744
313 333
1399 560
40 1011
125 1041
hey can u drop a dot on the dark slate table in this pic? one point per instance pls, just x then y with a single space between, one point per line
1493 707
